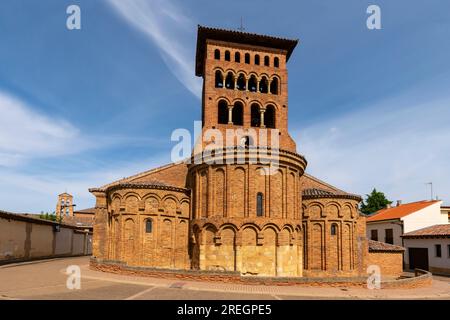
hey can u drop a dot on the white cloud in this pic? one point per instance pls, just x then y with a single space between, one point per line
20 192
396 146
25 133
169 29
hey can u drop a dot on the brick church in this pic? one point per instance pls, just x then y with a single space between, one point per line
229 215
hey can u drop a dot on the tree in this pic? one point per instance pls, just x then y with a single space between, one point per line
374 202
50 216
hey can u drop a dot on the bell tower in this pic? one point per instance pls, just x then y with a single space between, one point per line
246 204
245 82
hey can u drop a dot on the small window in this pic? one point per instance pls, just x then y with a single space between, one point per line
438 250
389 236
148 226
241 82
333 229
276 62
247 58
257 59
374 235
237 57
263 85
238 114
222 112
227 56
219 79
259 204
217 54
266 61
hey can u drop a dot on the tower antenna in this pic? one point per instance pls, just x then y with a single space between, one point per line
241 28
431 185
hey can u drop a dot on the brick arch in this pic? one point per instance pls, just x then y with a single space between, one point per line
220 98
332 210
132 203
285 237
239 100
347 210
310 212
218 69
270 225
273 104
269 258
244 72
152 203
230 70
228 235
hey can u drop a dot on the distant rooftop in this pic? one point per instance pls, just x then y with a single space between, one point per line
400 211
436 231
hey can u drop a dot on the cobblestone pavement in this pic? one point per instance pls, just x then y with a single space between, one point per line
47 280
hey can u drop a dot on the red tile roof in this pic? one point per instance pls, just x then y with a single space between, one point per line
438 230
400 211
376 246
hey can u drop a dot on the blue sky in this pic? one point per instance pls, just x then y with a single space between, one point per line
81 108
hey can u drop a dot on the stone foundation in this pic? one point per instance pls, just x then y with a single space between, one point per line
422 279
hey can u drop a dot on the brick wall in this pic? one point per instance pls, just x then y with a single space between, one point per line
390 263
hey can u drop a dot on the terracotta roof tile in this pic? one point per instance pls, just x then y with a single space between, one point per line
375 246
438 230
320 193
85 211
400 211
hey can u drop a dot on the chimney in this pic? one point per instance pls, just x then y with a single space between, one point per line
388 206
399 203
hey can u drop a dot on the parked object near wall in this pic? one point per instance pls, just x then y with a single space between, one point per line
25 237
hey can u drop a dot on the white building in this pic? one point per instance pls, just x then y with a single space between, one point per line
446 210
429 249
388 225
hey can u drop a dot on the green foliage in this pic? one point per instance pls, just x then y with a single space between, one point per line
50 216
374 202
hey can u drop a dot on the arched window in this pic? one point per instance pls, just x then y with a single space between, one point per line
241 83
246 141
263 85
252 84
269 117
237 57
257 59
259 204
333 229
222 112
255 116
148 226
217 54
229 81
227 56
247 58
274 86
238 114
276 62
266 61
219 79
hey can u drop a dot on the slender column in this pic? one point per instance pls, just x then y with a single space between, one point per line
262 111
230 114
